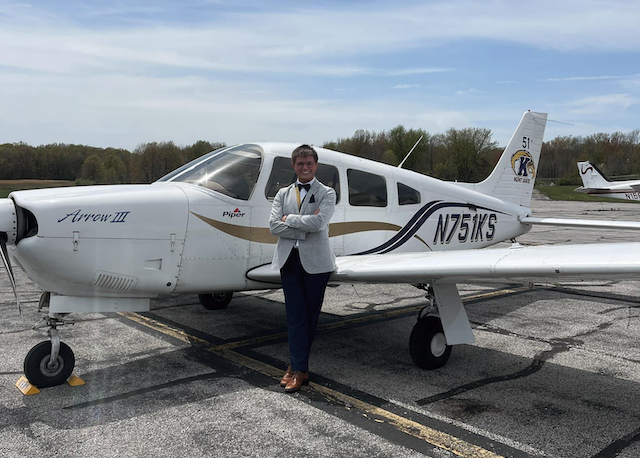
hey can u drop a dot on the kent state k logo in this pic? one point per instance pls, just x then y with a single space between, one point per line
522 164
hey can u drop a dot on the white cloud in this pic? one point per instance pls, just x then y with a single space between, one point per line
122 74
602 103
467 91
590 78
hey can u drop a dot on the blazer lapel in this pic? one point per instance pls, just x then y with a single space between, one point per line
312 191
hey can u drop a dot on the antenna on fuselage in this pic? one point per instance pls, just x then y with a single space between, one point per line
410 151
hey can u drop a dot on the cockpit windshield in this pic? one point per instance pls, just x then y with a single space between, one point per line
230 171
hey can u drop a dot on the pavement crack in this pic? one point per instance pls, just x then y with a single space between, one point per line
557 346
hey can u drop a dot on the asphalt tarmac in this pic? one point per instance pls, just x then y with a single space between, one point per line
555 372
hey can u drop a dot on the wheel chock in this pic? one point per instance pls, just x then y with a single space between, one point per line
74 380
26 387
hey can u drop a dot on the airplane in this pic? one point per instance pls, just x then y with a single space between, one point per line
596 183
203 229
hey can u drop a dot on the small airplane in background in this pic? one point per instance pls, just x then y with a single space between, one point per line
203 229
596 183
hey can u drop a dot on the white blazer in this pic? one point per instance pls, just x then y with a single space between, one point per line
311 231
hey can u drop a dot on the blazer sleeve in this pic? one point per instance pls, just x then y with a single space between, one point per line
277 227
315 223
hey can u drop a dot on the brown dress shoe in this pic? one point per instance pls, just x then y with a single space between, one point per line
299 379
286 378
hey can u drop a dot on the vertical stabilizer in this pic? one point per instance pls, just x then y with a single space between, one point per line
514 175
592 177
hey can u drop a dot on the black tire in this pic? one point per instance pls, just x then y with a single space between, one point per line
428 345
41 376
215 301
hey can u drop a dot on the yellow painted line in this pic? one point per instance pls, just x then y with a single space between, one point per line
432 436
360 319
165 329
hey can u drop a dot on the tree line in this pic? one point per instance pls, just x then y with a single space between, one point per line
91 165
458 154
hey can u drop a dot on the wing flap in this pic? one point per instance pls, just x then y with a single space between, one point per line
540 263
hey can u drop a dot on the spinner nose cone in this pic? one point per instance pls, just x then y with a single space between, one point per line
8 220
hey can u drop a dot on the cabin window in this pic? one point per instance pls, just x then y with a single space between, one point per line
283 175
407 195
366 189
232 172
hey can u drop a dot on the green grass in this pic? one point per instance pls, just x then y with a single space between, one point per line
8 186
568 193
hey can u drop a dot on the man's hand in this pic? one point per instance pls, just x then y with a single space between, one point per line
316 212
284 218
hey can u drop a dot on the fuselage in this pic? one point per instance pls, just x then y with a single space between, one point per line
202 227
623 190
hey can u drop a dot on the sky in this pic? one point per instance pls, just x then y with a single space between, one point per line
120 73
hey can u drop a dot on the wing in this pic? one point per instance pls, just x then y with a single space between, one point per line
592 223
518 263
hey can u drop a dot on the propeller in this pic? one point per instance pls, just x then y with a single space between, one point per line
7 265
8 224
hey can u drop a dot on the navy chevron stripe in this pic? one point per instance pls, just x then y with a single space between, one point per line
416 222
402 231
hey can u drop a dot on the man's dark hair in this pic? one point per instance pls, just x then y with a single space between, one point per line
304 151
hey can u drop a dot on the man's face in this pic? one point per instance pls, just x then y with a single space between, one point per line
305 168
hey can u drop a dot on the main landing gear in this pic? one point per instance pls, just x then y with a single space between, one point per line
51 362
215 301
428 344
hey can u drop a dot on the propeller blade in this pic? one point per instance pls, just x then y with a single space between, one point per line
7 265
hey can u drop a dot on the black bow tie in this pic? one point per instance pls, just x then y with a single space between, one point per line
305 186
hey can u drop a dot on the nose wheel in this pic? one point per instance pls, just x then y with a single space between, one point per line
51 362
44 371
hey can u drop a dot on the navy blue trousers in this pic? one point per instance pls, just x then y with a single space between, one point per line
303 296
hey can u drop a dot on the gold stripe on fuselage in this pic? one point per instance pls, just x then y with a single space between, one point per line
262 234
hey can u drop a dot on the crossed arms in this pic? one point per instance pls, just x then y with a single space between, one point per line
293 226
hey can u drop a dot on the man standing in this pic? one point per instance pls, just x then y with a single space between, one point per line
300 218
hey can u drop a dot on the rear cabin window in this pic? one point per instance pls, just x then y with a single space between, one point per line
407 195
283 175
366 189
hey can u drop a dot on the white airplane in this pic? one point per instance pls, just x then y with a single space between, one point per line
203 229
596 183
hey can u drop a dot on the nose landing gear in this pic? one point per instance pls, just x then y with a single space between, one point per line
51 362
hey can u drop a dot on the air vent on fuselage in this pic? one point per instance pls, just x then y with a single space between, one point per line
117 282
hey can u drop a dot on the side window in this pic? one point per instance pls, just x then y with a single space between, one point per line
366 189
407 195
282 175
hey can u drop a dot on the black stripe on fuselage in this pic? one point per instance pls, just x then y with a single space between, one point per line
416 222
402 231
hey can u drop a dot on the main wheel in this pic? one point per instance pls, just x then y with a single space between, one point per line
428 345
42 372
215 301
